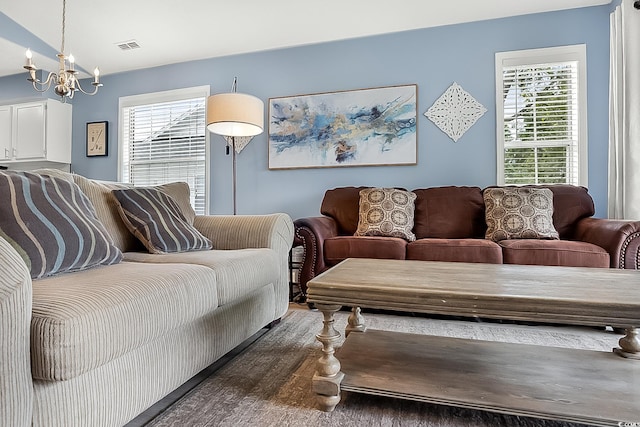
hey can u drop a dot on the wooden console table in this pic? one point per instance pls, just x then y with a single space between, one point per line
592 387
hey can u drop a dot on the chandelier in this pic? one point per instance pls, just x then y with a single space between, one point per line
65 83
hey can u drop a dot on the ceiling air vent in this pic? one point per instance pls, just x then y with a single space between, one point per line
131 44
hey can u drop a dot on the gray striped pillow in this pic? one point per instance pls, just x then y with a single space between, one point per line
52 224
156 220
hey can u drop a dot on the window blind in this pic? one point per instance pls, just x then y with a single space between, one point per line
166 142
540 119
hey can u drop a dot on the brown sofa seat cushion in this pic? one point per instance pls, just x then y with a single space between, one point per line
337 249
449 212
455 250
554 252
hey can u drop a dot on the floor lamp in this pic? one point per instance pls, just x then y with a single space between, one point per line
238 117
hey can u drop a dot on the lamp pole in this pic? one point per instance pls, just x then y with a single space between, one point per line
233 154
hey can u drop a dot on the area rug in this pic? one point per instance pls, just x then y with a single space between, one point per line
269 384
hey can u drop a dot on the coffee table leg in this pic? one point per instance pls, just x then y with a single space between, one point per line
327 378
355 322
629 344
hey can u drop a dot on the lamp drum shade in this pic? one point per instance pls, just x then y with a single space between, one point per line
235 114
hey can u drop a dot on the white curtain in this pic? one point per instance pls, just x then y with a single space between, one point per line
624 113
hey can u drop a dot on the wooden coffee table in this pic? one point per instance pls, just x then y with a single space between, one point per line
574 385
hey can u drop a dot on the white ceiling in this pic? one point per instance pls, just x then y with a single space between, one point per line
172 31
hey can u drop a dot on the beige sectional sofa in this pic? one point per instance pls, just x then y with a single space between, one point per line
99 346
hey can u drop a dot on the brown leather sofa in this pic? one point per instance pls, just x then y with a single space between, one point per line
449 225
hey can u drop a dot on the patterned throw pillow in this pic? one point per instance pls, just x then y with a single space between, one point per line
386 212
52 224
156 220
519 213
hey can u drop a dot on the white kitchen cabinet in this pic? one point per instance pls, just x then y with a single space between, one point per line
6 145
38 131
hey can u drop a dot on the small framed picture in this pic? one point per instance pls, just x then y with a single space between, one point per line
97 138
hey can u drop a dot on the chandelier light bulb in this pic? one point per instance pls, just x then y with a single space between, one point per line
96 78
29 65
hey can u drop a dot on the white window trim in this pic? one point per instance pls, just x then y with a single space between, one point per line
540 56
159 97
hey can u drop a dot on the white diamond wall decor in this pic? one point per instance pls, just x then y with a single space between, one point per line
455 111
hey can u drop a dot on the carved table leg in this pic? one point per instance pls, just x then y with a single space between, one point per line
629 344
355 322
327 378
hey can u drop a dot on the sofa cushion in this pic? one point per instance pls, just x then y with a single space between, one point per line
343 205
449 213
55 173
238 272
155 219
455 250
519 213
554 252
52 224
571 203
106 207
86 319
337 249
386 212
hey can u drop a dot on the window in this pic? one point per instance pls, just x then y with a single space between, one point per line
163 139
541 116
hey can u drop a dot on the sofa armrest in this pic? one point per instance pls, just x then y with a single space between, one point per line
621 238
312 232
274 231
16 386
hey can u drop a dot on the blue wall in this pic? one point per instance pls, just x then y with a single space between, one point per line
432 58
17 87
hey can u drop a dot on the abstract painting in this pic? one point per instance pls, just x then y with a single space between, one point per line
365 127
